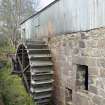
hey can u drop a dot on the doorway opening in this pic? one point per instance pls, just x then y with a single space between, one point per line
82 77
68 94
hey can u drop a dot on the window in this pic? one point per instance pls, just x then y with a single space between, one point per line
82 77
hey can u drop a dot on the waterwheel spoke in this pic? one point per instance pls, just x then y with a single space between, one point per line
24 77
27 68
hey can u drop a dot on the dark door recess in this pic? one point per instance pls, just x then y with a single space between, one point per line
68 94
82 77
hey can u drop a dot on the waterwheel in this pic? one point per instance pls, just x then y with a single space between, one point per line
34 61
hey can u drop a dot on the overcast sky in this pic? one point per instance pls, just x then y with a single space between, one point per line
43 3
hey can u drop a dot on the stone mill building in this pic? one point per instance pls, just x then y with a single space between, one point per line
74 31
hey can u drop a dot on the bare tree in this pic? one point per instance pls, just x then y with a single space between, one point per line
12 12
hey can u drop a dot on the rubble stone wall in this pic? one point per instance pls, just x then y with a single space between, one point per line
82 48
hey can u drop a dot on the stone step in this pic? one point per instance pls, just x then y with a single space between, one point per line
42 77
41 90
43 102
37 46
42 73
41 69
42 97
40 63
38 51
42 82
35 42
40 57
46 103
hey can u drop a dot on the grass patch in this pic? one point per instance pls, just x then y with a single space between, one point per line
12 90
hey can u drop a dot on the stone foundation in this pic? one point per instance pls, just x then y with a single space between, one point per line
71 50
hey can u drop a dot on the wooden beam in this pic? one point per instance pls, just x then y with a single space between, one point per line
24 77
26 68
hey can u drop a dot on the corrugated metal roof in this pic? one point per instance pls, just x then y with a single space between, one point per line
41 10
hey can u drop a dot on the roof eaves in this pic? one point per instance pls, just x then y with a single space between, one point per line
38 12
